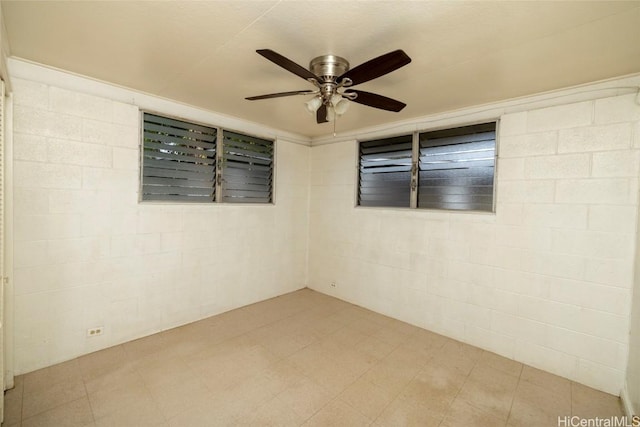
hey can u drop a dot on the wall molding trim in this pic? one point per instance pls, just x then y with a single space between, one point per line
23 69
618 86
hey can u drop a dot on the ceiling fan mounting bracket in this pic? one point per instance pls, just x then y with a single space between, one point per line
329 67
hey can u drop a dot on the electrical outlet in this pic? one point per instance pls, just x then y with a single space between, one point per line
94 332
333 284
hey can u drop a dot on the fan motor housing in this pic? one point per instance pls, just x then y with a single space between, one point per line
329 67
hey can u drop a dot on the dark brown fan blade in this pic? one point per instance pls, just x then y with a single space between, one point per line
321 114
280 94
287 64
377 67
376 101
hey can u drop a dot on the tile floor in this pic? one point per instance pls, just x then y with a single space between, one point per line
300 359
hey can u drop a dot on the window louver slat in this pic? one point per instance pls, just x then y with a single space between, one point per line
162 154
178 166
180 149
248 169
456 168
241 174
173 128
178 198
173 173
186 183
185 191
175 154
385 172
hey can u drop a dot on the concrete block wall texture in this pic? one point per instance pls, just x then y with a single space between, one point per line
546 280
88 254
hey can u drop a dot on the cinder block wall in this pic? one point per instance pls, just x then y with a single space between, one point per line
88 254
546 280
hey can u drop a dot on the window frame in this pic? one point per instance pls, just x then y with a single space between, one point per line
413 207
219 169
358 166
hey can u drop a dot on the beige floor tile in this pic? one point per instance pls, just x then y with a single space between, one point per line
497 403
172 399
145 346
550 382
165 355
248 394
375 348
366 325
535 405
462 361
391 335
239 350
144 414
429 339
281 375
402 413
420 350
13 402
346 337
165 371
500 363
391 376
434 388
204 415
408 356
273 413
223 371
336 413
457 348
305 397
493 379
105 402
300 358
367 398
44 398
208 356
186 342
589 403
219 381
310 358
216 333
403 328
102 362
489 390
115 377
336 375
463 413
45 378
326 325
72 414
286 345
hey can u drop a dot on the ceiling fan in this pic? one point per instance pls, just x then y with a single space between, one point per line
329 73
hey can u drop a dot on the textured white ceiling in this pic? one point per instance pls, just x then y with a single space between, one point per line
203 53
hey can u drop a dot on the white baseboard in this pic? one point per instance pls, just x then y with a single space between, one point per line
627 405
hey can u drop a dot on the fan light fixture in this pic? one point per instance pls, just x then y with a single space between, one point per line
340 104
336 107
313 104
